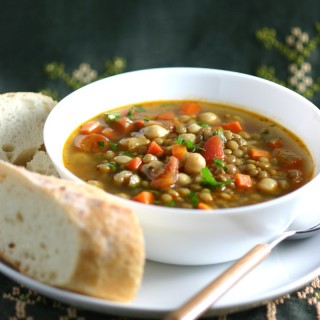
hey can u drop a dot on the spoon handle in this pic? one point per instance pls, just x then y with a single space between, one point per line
202 301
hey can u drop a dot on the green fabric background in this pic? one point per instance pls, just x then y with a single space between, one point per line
147 34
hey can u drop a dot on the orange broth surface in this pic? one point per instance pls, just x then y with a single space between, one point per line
188 154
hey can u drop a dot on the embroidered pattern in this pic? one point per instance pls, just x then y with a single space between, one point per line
311 294
83 75
297 49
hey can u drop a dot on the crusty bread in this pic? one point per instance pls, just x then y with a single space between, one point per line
41 163
69 234
23 115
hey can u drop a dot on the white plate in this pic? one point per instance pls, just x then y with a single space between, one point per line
164 287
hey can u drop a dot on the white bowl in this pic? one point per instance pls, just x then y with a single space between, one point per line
196 237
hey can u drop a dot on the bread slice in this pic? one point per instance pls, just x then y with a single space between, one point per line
69 234
23 115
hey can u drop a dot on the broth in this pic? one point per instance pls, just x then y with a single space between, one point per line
188 154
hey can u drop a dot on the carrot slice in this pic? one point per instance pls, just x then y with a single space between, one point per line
190 108
91 127
155 149
255 153
242 181
179 151
169 176
213 148
146 197
123 125
165 116
233 126
134 164
203 206
94 142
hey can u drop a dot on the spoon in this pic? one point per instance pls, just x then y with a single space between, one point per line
203 300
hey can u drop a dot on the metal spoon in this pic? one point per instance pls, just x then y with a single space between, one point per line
202 301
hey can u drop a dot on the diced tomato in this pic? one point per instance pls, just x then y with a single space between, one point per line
242 181
94 142
169 176
213 148
288 158
179 151
146 197
233 126
134 164
190 108
155 149
255 153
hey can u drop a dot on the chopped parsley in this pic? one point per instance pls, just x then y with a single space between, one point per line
112 165
209 181
170 203
110 117
220 132
101 144
127 153
203 124
113 145
189 144
219 163
193 198
133 110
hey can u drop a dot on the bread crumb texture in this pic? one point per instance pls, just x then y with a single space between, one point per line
69 234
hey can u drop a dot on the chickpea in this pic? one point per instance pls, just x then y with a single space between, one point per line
208 117
133 143
267 185
122 159
189 137
194 162
155 131
193 128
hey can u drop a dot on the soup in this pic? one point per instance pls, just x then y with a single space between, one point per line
188 154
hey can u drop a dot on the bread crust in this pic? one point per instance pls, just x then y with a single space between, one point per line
110 257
